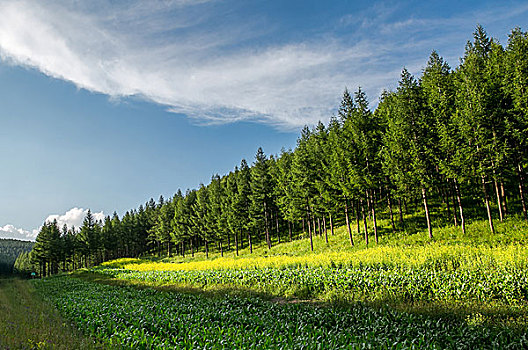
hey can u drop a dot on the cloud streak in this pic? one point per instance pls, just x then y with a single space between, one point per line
190 72
164 52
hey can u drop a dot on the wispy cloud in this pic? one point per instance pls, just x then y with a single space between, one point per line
189 71
165 52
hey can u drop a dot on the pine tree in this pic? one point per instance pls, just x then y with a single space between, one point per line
516 86
363 131
479 118
438 86
261 195
201 217
243 200
408 142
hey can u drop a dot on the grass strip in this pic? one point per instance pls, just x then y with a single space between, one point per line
27 322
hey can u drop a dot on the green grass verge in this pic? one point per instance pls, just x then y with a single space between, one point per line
27 322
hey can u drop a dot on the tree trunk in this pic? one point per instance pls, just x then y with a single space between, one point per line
503 197
236 243
459 200
310 230
183 249
268 240
391 215
348 224
192 248
206 250
331 225
368 206
453 198
357 217
250 244
308 223
486 201
499 199
521 189
290 230
373 210
364 223
278 231
427 217
325 230
221 249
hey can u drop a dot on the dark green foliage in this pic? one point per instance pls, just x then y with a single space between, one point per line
436 282
10 250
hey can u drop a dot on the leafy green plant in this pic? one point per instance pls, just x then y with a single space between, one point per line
149 319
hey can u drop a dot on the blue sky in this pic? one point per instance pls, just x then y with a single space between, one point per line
105 104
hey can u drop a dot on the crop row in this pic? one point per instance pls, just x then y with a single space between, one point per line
437 255
367 282
149 319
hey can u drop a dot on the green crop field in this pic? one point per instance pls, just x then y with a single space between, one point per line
146 318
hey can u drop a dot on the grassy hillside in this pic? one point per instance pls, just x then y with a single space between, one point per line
463 275
506 244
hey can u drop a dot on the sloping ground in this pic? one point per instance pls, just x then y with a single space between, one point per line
477 276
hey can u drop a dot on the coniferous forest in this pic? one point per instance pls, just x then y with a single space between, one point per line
449 145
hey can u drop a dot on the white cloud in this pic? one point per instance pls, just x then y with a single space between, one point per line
12 232
73 217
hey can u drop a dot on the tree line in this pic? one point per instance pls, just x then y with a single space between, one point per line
446 146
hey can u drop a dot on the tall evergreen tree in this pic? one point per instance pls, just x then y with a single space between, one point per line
408 142
261 195
516 86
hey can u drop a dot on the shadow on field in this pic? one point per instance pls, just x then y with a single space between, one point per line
474 314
